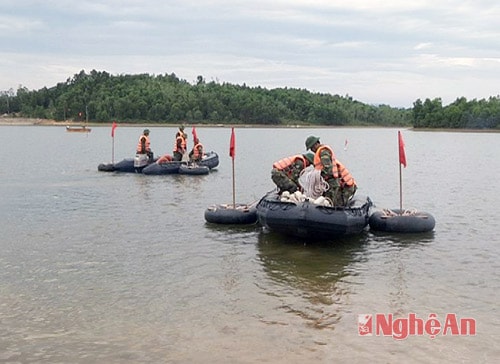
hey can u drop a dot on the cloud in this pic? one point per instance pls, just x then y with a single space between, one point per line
390 52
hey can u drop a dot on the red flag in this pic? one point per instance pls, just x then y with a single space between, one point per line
232 144
113 127
195 137
402 155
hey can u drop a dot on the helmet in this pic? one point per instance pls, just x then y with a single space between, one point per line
309 157
310 141
181 127
146 131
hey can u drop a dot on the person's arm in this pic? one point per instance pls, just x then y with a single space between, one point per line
326 161
298 166
143 145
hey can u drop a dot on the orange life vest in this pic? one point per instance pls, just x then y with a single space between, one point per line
165 158
319 165
346 178
286 163
147 144
183 144
197 154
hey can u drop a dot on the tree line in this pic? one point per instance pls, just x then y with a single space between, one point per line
463 114
100 97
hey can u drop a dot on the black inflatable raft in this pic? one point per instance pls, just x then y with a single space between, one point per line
210 161
306 219
402 221
129 165
229 214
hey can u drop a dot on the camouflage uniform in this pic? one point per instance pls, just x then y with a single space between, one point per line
345 195
338 190
333 192
288 179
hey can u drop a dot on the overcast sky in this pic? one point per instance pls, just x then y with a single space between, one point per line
377 51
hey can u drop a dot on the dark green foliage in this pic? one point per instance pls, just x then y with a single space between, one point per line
474 114
101 97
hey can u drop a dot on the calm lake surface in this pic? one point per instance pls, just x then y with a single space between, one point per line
122 268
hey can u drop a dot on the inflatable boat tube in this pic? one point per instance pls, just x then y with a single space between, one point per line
226 214
193 169
162 168
401 221
211 160
306 219
124 166
106 167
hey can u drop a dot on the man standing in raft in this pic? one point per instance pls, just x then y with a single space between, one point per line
180 144
196 154
144 145
341 184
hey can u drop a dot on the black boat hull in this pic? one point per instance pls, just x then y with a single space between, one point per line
211 160
229 214
127 166
305 219
402 221
123 166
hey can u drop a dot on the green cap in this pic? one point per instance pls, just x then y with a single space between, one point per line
146 131
309 157
310 141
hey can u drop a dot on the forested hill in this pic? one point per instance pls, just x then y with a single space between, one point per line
463 114
101 97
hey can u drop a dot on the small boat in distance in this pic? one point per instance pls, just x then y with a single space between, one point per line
78 129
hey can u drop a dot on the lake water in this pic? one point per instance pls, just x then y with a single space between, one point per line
122 268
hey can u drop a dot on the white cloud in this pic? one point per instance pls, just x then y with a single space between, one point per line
380 51
12 25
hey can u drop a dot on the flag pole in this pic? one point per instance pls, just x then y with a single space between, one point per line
232 153
402 161
113 127
400 190
234 188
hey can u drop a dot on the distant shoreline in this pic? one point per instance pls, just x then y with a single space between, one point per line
32 121
5 121
48 122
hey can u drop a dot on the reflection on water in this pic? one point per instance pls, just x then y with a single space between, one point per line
395 250
310 279
401 240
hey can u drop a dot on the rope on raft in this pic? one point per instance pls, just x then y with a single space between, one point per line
312 183
390 213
